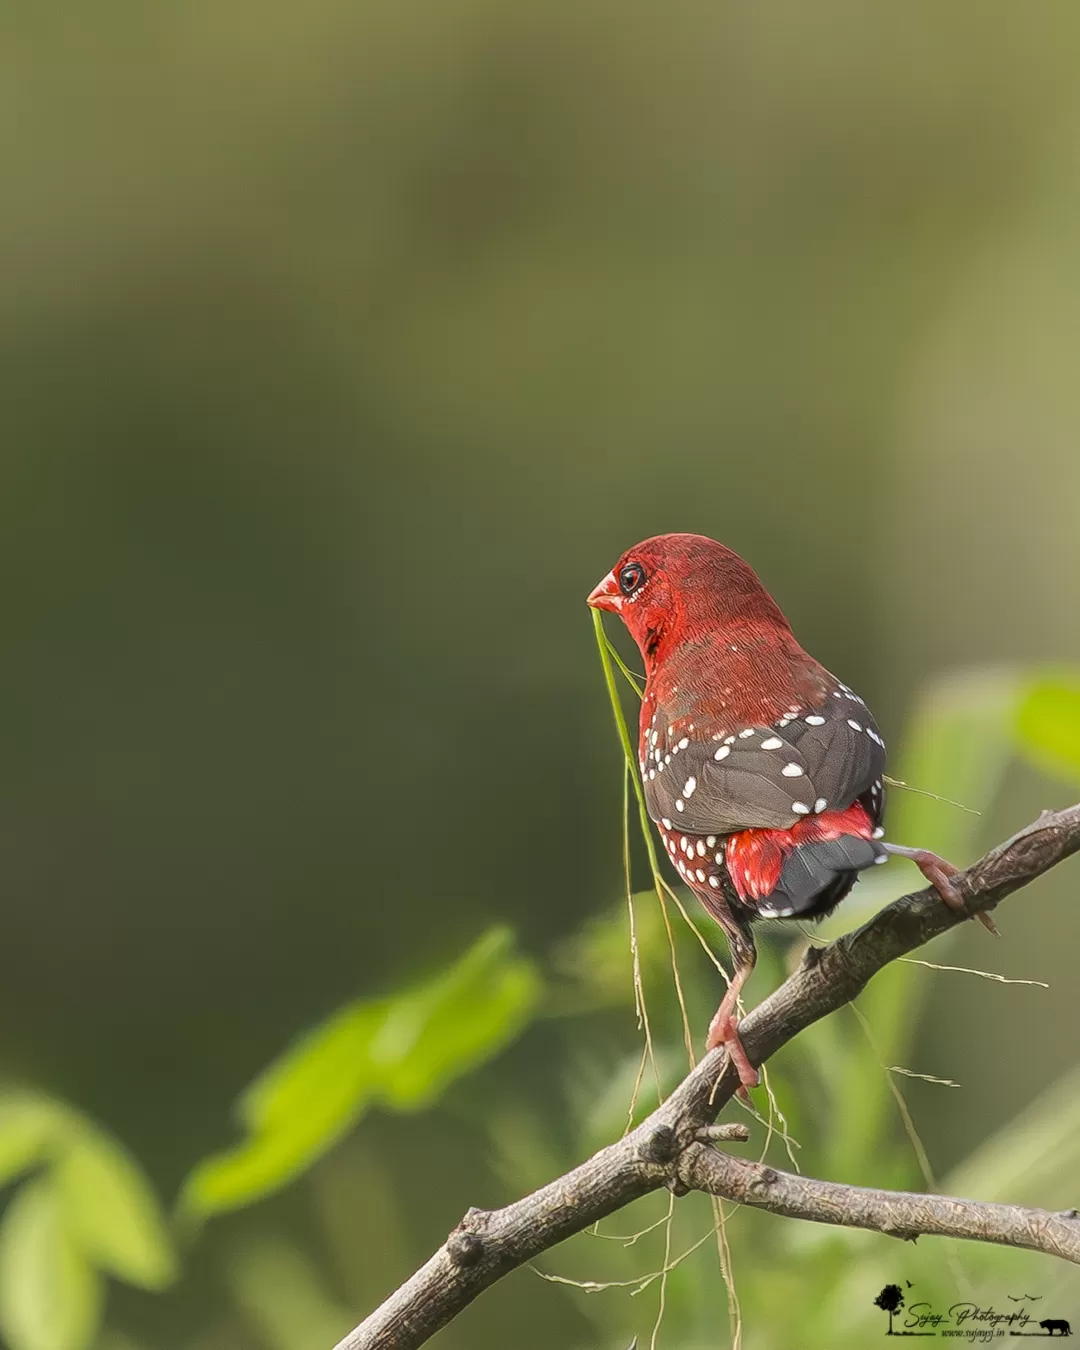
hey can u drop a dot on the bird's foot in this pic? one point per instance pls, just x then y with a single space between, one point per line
939 873
724 1030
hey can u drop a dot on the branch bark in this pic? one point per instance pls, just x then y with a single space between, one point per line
669 1148
899 1214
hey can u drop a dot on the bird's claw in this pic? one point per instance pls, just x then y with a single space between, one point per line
940 873
723 1030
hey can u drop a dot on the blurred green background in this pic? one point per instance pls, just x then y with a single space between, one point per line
344 348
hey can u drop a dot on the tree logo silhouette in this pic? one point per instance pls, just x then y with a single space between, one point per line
890 1300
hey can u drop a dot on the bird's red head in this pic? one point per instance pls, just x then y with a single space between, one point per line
671 587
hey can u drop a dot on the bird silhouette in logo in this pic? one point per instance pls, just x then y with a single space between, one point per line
1024 1298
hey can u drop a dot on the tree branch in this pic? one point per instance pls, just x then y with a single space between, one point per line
898 1213
667 1148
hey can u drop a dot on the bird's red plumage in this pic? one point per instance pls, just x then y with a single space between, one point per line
720 657
718 651
755 858
762 771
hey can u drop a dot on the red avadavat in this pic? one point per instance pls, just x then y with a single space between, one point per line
762 771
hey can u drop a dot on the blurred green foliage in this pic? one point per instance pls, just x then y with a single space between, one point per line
400 1053
1048 724
84 1210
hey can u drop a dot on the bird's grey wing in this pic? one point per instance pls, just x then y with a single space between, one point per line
768 777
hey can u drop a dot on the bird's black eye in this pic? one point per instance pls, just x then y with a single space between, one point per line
631 577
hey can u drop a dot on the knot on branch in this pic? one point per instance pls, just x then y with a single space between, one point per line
464 1248
659 1146
765 1178
811 956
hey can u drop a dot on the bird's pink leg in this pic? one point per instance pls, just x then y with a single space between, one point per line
939 874
724 1029
937 871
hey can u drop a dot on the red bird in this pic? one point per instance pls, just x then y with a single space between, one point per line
762 771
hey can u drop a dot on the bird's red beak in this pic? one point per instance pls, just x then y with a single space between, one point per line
607 595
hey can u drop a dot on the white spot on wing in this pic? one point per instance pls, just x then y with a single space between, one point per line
792 770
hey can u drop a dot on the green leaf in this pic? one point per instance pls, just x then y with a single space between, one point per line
1048 724
50 1295
330 1065
454 1023
401 1052
112 1213
31 1125
296 1110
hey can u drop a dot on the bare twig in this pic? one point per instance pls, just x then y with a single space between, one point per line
899 1214
668 1150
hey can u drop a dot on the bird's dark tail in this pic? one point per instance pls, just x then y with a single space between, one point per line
815 877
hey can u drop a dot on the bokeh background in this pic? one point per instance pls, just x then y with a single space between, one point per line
344 348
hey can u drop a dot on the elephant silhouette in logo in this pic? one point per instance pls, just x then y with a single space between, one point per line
1052 1324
